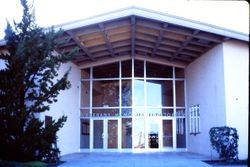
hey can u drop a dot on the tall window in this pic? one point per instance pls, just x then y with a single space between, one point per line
130 91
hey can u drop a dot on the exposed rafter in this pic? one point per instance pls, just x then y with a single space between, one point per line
136 35
80 45
105 37
184 44
133 29
159 39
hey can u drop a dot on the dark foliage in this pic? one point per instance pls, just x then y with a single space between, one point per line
28 86
225 141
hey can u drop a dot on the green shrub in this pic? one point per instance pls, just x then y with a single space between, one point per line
225 141
22 164
35 164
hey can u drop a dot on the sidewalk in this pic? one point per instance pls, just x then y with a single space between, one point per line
167 159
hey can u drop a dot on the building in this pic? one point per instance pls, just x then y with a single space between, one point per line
147 81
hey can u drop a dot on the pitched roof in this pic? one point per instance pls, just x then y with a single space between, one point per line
142 33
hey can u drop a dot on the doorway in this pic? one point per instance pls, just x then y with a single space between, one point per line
167 134
153 133
160 134
105 134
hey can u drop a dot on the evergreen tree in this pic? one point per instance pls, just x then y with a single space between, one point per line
28 86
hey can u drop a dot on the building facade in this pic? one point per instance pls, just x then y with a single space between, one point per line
145 81
132 105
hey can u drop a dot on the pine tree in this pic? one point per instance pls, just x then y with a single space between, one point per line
28 86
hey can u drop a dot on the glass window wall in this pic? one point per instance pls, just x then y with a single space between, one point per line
106 71
105 93
126 132
85 134
118 102
159 71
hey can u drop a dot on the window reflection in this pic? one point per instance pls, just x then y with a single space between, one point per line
139 68
159 93
126 112
179 72
85 73
154 93
85 133
152 103
105 112
154 72
139 133
106 93
127 133
179 85
126 93
180 133
85 94
127 68
139 92
106 71
139 112
112 134
167 133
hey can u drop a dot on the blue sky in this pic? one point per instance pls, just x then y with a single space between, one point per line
228 14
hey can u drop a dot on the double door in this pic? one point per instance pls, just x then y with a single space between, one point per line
160 134
151 134
105 134
154 134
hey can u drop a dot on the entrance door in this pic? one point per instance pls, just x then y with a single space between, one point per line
167 134
105 134
112 134
153 133
98 134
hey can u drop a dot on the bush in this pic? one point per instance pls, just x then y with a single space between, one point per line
22 164
225 141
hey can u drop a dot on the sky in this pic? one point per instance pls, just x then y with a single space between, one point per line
232 15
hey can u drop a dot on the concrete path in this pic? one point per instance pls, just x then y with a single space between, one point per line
169 159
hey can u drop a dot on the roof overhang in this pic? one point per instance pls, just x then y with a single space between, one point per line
159 16
142 34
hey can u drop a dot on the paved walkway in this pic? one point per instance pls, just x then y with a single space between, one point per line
169 159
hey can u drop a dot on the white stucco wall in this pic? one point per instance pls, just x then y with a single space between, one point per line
236 68
68 104
205 86
218 82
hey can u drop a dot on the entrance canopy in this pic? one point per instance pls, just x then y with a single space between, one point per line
143 34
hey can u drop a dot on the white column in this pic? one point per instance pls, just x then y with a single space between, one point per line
174 119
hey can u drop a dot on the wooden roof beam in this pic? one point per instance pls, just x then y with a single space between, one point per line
121 43
133 29
103 61
80 45
209 37
159 39
203 35
201 44
185 43
105 36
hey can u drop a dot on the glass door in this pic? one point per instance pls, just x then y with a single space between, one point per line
98 134
105 134
167 134
112 134
153 133
139 133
